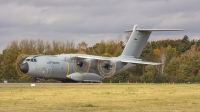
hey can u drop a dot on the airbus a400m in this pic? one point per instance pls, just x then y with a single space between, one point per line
89 68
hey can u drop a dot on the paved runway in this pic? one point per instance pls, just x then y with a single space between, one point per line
48 84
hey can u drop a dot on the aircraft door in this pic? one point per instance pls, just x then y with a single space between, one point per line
33 65
48 73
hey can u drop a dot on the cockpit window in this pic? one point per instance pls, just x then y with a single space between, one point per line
27 59
31 60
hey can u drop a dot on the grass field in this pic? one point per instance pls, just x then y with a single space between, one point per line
101 97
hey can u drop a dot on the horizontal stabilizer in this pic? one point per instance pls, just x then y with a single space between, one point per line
150 30
159 29
140 62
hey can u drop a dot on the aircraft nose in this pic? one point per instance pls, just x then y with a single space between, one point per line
24 67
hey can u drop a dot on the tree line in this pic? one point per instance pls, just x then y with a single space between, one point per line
180 59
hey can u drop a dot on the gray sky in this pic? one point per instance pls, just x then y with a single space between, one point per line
95 20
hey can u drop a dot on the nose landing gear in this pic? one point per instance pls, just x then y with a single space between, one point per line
37 80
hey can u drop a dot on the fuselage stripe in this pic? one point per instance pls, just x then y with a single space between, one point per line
67 73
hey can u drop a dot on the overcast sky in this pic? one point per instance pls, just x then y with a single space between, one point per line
95 20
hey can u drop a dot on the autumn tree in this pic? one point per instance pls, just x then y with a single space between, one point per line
184 45
48 50
98 48
149 74
171 70
1 62
70 47
8 64
164 56
40 46
82 47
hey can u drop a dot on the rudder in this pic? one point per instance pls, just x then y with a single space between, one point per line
136 42
138 39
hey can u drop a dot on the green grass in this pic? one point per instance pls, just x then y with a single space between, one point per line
101 97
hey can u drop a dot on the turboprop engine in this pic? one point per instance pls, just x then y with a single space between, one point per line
81 65
107 68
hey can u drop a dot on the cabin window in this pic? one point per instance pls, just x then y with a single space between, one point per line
35 60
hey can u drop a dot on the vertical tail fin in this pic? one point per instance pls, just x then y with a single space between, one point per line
138 39
136 42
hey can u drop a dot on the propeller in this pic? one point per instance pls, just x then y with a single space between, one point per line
81 65
106 68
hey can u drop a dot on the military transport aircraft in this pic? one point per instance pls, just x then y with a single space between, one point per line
89 68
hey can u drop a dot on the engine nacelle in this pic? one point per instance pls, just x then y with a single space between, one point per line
107 68
81 65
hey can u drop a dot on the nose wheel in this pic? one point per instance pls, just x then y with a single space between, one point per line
37 80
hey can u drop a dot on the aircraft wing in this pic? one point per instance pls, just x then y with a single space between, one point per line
95 57
140 62
126 60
